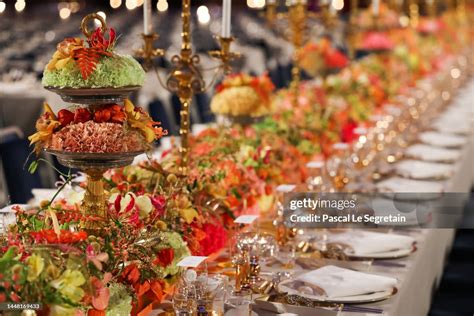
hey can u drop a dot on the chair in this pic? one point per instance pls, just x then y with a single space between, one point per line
13 153
204 108
158 113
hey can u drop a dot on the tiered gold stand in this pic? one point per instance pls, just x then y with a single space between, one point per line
94 204
94 165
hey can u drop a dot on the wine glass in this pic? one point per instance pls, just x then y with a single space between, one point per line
317 179
338 166
185 298
286 254
267 247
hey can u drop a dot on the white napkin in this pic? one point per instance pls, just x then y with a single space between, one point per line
401 185
369 243
442 140
416 169
433 154
43 194
338 282
7 216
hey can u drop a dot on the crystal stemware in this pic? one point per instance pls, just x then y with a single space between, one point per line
185 298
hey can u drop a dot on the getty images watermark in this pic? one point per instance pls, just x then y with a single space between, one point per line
425 210
346 212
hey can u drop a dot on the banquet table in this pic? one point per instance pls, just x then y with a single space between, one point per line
422 270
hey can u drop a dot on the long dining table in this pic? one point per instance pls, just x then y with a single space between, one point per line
420 273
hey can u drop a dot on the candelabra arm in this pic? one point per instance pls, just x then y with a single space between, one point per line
148 52
184 133
224 54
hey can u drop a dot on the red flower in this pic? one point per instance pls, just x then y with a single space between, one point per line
65 236
214 239
336 59
101 116
164 257
118 115
131 274
347 132
65 117
82 115
98 41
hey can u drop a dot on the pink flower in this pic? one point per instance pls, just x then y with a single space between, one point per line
101 293
96 259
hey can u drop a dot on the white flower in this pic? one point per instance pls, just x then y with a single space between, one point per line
144 205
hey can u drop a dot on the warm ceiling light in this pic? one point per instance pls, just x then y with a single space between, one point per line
20 5
139 2
64 13
337 4
2 6
115 3
203 14
75 6
162 5
131 4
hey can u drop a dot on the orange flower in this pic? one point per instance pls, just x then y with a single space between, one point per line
64 53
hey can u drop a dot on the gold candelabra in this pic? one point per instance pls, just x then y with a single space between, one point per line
352 29
430 8
414 12
185 78
296 16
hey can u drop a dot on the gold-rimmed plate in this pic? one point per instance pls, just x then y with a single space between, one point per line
392 254
284 287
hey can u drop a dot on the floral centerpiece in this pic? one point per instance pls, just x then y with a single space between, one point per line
109 128
243 95
92 64
122 270
321 56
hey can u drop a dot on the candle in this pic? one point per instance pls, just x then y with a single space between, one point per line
332 8
147 26
375 7
226 11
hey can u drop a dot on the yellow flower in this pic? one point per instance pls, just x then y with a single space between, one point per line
69 284
64 53
45 127
186 210
52 271
35 267
139 121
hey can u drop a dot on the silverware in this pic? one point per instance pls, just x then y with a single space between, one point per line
361 309
388 264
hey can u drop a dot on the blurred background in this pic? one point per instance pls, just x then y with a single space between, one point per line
31 29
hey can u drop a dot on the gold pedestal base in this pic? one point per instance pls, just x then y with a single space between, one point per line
95 200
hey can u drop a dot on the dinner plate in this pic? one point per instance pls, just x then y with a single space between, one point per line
422 170
283 287
432 154
392 254
442 140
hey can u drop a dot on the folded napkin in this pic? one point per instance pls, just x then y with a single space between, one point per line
442 140
433 154
423 170
43 194
371 243
338 282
